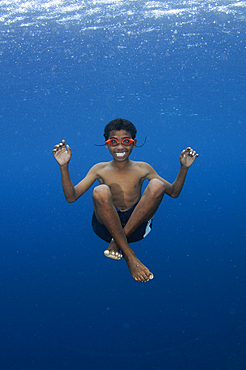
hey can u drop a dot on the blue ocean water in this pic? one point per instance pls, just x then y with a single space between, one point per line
176 69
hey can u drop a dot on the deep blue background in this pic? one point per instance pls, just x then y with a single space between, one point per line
63 304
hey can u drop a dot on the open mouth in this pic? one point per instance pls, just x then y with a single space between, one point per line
120 154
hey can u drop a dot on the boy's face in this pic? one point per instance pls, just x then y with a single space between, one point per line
120 152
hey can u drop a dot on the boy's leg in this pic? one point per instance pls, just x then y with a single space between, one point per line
144 211
106 214
146 207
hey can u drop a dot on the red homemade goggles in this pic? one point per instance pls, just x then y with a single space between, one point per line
114 142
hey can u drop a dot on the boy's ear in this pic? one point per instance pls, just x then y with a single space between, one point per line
135 142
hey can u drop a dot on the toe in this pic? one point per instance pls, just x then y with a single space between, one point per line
143 277
112 254
147 276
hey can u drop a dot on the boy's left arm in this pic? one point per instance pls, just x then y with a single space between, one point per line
187 158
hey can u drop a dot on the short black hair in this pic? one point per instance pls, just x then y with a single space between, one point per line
118 124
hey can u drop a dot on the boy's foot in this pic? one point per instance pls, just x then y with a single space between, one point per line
113 251
138 270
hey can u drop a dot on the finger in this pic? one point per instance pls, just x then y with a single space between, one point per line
191 153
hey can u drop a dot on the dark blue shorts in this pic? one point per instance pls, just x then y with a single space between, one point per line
141 232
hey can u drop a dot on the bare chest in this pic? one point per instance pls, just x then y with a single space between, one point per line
127 181
125 186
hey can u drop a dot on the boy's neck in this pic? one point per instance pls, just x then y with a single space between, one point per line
121 165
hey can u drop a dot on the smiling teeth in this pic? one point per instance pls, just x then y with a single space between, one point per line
120 154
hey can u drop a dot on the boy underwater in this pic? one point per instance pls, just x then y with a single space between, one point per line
121 214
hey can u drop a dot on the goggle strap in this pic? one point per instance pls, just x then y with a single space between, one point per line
139 146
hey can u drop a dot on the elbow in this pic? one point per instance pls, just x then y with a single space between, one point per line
70 196
70 200
172 193
175 194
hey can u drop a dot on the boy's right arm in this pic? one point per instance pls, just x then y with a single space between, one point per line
62 154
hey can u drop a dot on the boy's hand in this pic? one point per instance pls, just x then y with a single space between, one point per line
62 153
187 157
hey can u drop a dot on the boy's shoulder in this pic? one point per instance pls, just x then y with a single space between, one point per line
99 166
141 164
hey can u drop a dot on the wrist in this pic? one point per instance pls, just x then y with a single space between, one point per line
63 166
184 168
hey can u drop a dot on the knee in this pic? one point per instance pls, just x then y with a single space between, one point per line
157 188
101 193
